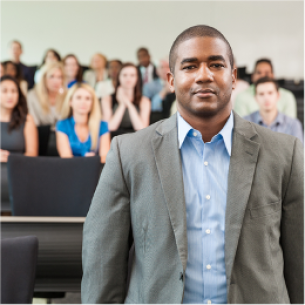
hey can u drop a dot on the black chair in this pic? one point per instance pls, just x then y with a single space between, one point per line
46 186
120 132
5 200
155 117
52 149
43 136
18 269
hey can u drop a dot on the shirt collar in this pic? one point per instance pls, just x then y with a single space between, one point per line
226 131
259 120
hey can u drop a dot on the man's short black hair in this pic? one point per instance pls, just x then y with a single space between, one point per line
142 49
197 31
266 79
263 60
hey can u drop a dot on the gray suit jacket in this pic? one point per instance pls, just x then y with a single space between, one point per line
141 191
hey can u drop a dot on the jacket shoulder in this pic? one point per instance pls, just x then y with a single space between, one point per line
141 138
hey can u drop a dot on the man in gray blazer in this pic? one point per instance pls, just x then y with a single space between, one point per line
213 203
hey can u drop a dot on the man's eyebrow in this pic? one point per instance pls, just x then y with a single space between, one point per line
191 59
216 57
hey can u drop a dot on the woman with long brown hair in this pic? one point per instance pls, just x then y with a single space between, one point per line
73 70
18 130
127 109
10 68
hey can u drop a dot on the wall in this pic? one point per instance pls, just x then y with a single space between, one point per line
255 29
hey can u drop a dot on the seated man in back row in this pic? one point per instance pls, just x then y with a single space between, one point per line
158 90
267 97
245 102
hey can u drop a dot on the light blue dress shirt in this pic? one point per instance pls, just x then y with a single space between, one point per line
152 90
205 168
282 123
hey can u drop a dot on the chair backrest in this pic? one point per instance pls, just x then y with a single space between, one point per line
5 200
43 135
51 186
18 269
52 148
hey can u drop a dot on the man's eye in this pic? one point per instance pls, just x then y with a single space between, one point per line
218 65
188 67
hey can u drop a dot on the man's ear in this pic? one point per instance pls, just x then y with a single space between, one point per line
170 79
234 78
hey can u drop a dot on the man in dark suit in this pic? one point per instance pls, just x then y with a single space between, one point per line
146 68
214 203
27 72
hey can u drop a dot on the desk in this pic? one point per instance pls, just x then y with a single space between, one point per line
5 197
59 266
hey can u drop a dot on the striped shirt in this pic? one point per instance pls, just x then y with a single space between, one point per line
205 168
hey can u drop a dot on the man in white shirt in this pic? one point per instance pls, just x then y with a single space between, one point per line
146 67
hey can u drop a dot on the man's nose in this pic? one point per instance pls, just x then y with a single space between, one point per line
204 74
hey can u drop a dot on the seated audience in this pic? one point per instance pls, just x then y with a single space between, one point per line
18 130
1 69
13 70
16 51
114 67
96 77
82 131
127 110
147 69
73 70
240 86
158 89
245 101
50 56
267 97
46 98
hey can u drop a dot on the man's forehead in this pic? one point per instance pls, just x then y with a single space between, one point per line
266 86
263 65
202 46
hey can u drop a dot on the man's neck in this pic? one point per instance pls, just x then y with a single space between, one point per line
146 66
269 116
207 126
16 60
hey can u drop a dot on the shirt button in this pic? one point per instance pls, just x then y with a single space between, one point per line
195 134
206 163
209 302
208 231
208 197
209 267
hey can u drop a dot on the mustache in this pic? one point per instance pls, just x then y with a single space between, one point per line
204 90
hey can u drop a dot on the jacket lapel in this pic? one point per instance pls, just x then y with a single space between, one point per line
242 168
168 161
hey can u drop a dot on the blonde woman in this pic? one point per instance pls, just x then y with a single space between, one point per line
96 77
46 99
81 132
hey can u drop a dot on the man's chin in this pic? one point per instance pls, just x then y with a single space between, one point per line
205 111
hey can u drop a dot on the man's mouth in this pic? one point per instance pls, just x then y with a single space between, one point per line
204 93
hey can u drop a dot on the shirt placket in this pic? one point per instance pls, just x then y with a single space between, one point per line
207 234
